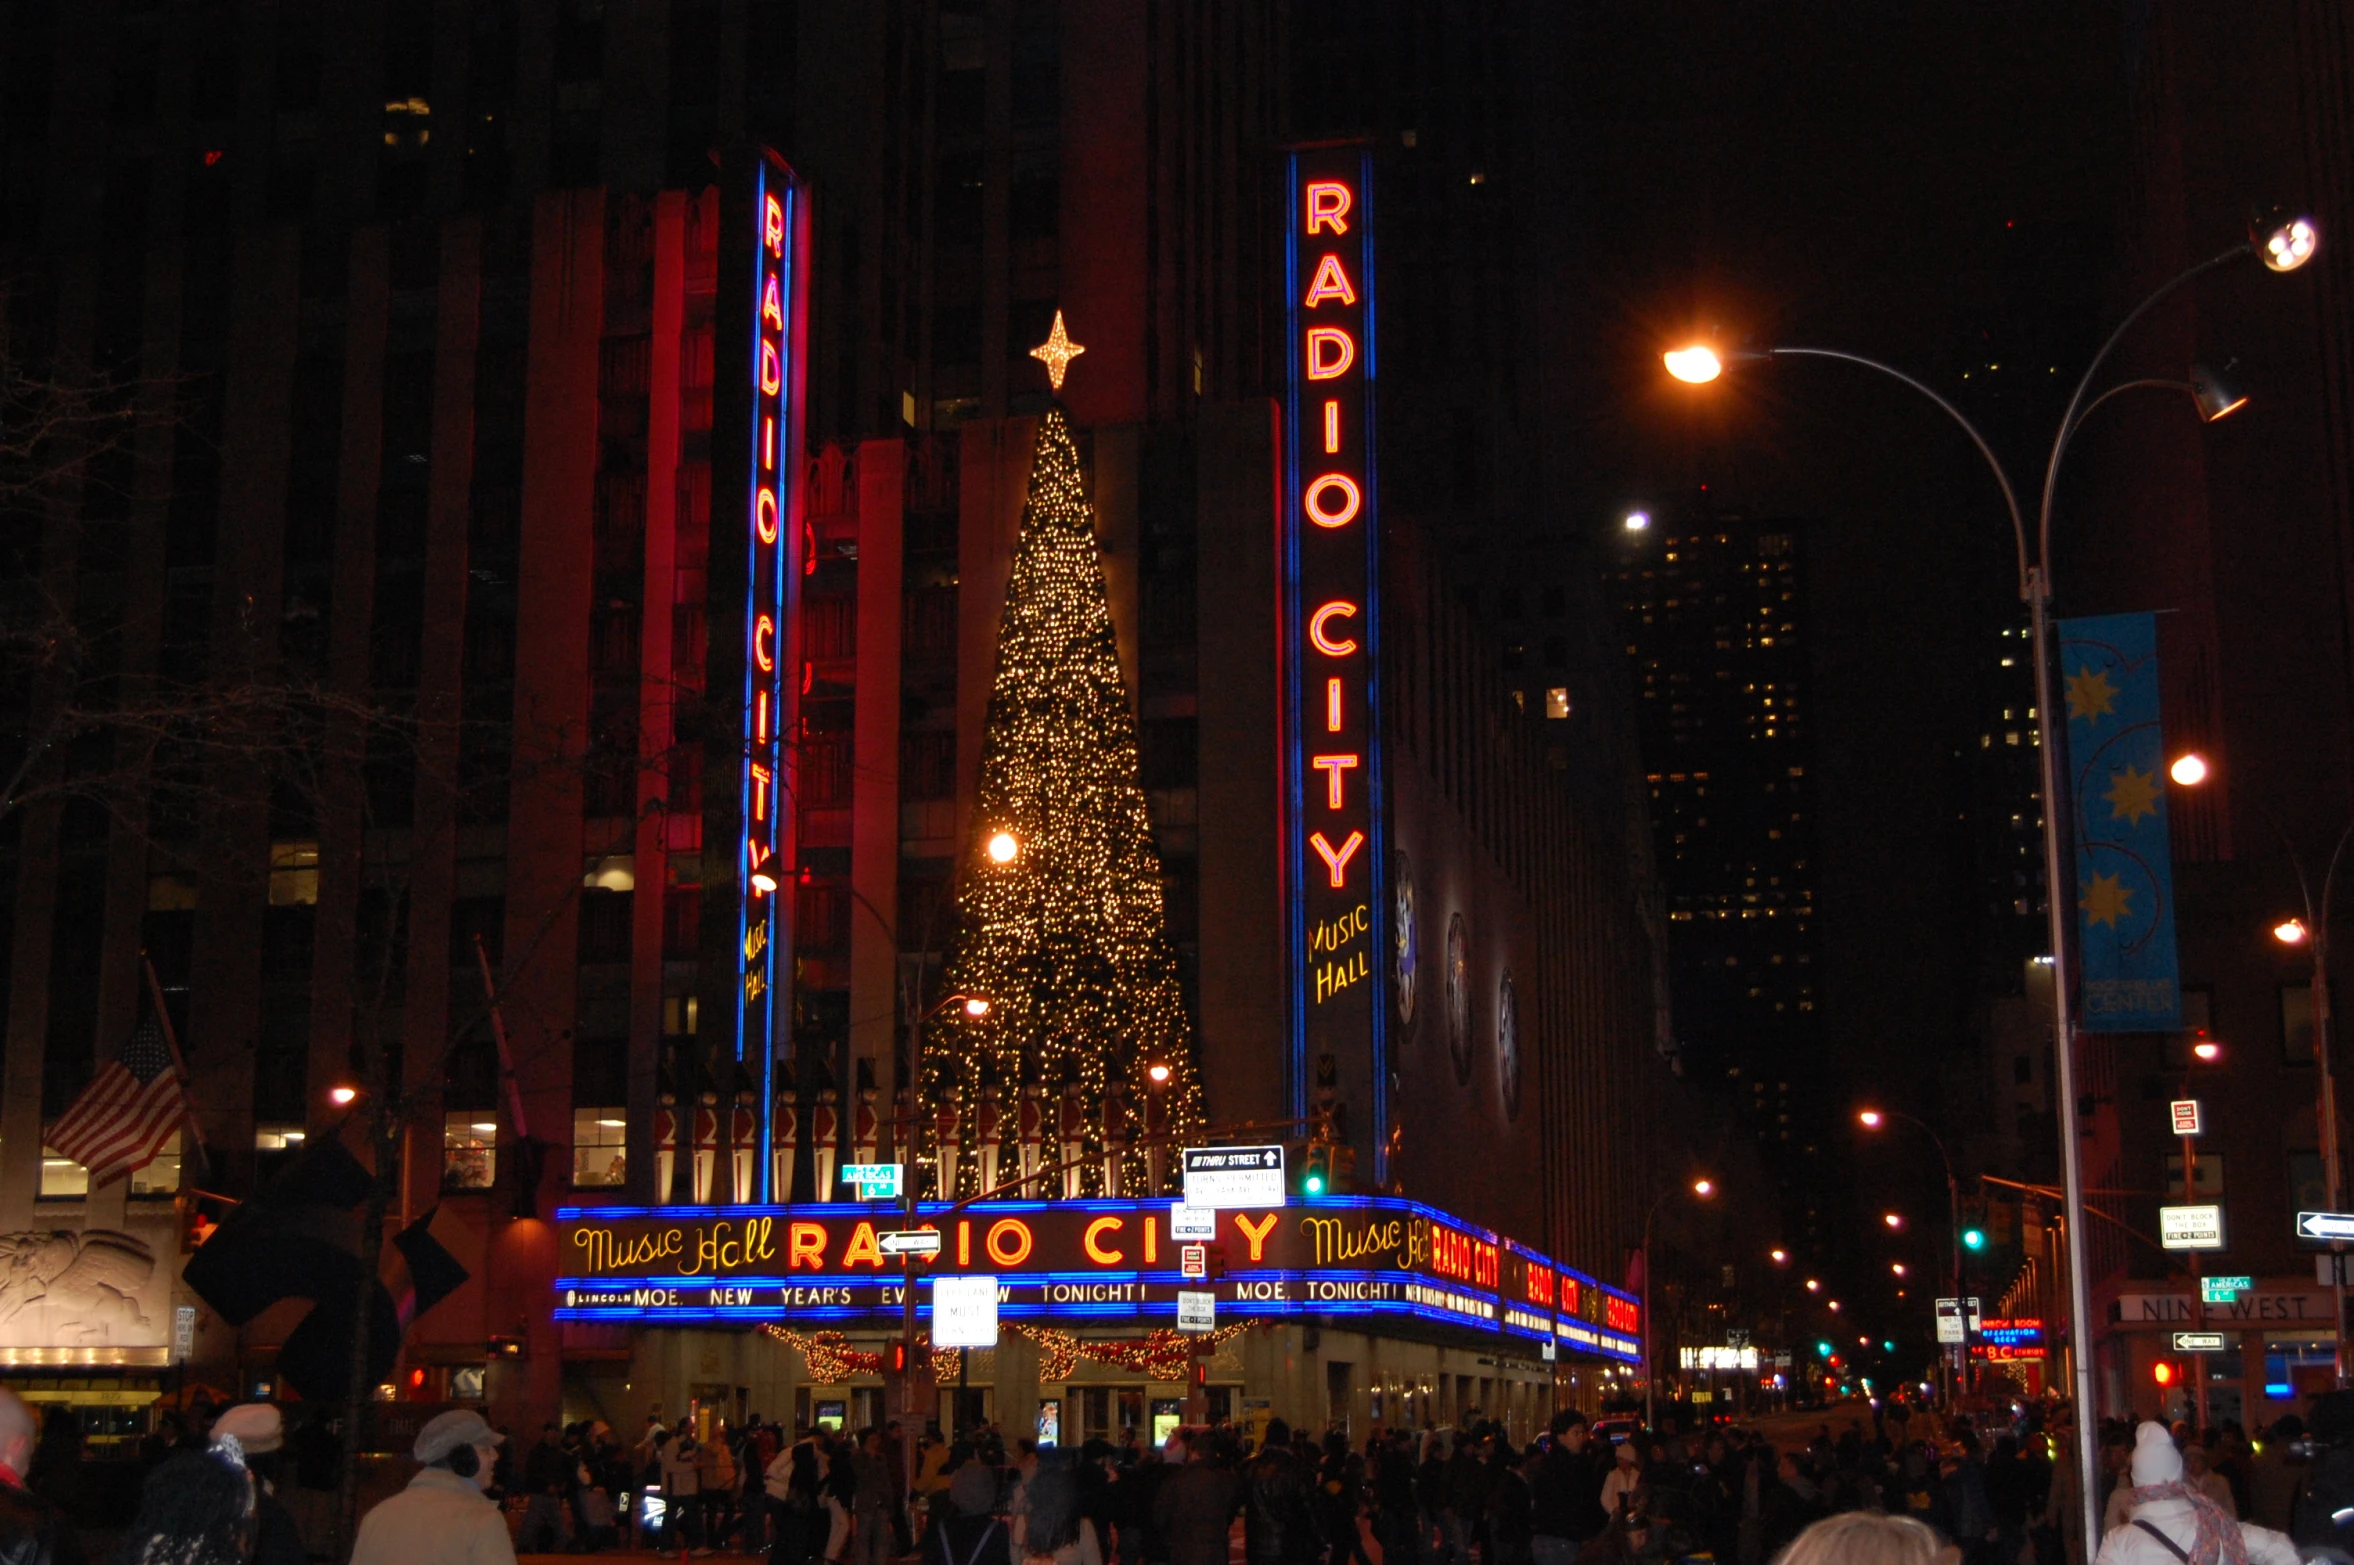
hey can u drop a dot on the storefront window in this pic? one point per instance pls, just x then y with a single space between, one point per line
598 1145
2297 1365
469 1150
160 1178
61 1177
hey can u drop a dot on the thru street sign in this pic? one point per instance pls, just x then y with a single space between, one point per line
2325 1225
1234 1176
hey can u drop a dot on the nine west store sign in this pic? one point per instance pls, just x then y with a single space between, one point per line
1077 1262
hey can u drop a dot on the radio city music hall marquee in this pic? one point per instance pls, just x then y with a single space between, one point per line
1077 1262
1328 537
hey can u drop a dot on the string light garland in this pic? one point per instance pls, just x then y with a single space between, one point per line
1162 1354
1068 934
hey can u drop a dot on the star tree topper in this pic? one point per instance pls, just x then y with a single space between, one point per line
1057 352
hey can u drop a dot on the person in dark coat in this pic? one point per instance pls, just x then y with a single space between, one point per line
1193 1513
260 1433
1279 1528
1791 1506
967 1531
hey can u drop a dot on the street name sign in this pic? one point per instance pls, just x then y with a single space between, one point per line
1197 1311
964 1312
1234 1177
1193 1222
875 1181
910 1241
2190 1227
2198 1342
2325 1225
2185 1114
2224 1290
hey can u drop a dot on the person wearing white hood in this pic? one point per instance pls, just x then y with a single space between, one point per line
2175 1524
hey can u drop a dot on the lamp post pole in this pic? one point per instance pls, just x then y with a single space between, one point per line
1704 1189
1957 1364
2284 249
2326 1101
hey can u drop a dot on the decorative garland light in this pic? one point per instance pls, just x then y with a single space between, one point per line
1161 1354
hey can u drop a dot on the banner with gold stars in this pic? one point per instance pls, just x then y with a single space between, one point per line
2116 757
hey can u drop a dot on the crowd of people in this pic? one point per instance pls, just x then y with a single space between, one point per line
1887 1489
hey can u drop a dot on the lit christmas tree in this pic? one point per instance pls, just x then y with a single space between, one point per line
1085 1043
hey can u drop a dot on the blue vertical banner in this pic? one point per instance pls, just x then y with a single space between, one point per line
2129 980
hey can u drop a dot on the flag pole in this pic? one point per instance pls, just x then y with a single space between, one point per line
171 1041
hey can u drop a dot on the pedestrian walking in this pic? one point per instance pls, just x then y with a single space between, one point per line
870 1502
547 1480
1278 1527
1193 1514
966 1531
443 1516
715 1484
1058 1533
260 1433
2174 1523
682 1492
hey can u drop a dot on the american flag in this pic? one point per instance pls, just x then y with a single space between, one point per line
124 1117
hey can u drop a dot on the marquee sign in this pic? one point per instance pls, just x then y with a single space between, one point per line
775 301
1335 864
1078 1261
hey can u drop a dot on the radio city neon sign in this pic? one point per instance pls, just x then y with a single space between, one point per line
1334 866
778 315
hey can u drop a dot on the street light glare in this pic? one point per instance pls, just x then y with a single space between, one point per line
1698 364
1159 1072
1814 1285
1003 848
1893 1219
2208 1050
2290 931
2189 769
1871 1119
2291 244
1703 1187
1781 1257
976 1006
339 1096
1638 521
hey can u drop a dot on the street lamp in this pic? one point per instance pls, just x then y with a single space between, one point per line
1004 847
2189 769
1895 1220
1875 1119
1703 1188
2283 242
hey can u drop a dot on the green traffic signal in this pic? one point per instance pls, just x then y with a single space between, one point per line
1823 1350
1973 1238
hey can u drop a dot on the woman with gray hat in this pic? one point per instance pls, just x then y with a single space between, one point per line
442 1517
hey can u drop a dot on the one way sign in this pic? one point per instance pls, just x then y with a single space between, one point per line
2325 1225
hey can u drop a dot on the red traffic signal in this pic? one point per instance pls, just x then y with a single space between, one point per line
2164 1374
898 1358
1201 1373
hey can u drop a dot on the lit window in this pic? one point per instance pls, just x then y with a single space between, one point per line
294 874
599 1138
469 1150
162 1176
1557 701
277 1138
61 1177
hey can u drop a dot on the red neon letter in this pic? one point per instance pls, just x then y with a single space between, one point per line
767 443
805 1245
1345 512
1332 766
768 369
776 226
1328 206
760 714
1096 1252
772 310
1338 608
764 644
764 514
1331 427
1330 352
1337 860
1008 1243
761 778
1330 282
1332 705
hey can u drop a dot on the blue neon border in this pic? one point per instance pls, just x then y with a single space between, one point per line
1293 859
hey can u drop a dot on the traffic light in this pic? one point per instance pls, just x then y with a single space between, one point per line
898 1358
2002 1223
1316 1169
1823 1351
1973 1225
1973 1238
1201 1373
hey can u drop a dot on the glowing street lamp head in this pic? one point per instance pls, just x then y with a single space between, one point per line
342 1096
1780 1255
764 883
2189 769
1704 1188
2289 243
1814 1285
2214 396
1004 848
1896 1267
1695 365
1893 1219
2290 932
2207 1051
1834 1306
976 1006
1870 1119
1158 1073
1638 521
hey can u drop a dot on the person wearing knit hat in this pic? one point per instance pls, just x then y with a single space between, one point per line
442 1516
2175 1524
260 1431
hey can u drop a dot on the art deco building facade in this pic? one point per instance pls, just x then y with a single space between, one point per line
437 311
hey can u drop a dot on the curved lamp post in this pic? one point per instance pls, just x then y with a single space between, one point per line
2283 243
1703 1188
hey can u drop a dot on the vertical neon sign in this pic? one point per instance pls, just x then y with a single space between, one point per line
772 546
1335 862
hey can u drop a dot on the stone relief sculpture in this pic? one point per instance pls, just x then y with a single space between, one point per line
92 1280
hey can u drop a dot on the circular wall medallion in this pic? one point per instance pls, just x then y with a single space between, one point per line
1508 1046
1459 997
1406 954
